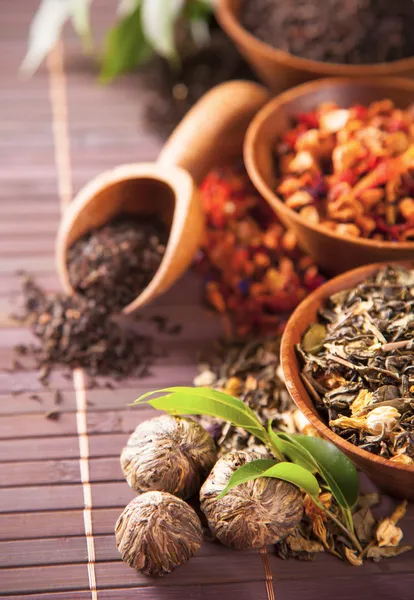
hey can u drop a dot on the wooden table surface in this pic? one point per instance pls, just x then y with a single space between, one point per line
61 487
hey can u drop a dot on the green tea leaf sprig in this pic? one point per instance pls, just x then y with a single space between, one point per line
309 456
142 28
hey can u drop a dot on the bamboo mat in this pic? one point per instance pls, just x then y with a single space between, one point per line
61 487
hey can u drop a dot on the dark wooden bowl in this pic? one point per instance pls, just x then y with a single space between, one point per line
332 252
395 479
281 70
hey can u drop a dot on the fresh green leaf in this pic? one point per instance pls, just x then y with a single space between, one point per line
248 472
197 10
283 470
206 401
44 32
337 470
158 23
80 12
294 451
126 47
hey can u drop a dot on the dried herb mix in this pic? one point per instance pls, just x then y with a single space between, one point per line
351 170
254 271
338 31
251 371
114 263
358 364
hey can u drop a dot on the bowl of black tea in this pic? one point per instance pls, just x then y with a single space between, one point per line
348 359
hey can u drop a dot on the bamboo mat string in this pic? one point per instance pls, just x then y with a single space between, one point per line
228 333
61 137
268 573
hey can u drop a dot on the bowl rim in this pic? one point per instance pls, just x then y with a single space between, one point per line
232 25
290 367
276 104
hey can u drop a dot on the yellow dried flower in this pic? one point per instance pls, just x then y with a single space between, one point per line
326 499
363 399
353 558
349 422
382 417
388 534
399 512
234 386
319 529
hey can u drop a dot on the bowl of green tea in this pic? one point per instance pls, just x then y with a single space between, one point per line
348 359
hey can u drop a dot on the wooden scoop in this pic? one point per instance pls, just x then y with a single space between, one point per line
211 134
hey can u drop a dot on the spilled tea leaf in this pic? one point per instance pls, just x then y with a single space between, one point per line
313 338
377 553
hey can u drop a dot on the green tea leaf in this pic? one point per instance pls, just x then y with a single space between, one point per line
158 24
45 30
294 451
248 472
80 12
126 47
337 470
313 338
290 472
206 401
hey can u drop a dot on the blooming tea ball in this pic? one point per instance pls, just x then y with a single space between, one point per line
253 514
157 532
168 454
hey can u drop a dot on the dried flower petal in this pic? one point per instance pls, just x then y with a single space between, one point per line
349 423
353 558
399 512
363 399
388 534
382 418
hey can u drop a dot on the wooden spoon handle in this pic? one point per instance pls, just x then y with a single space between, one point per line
212 132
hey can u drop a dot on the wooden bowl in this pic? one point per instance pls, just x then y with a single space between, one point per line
281 70
396 479
332 252
211 133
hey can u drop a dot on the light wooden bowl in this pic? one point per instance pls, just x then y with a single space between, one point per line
396 479
332 252
281 70
211 134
